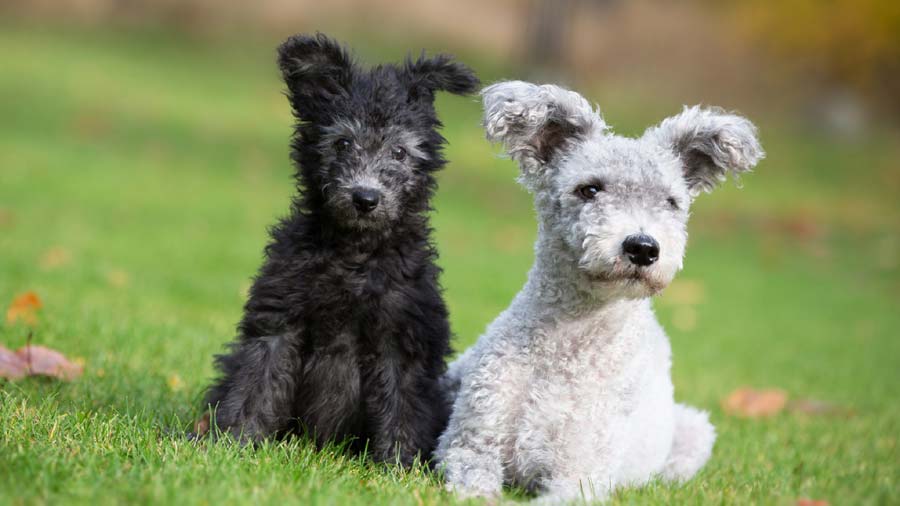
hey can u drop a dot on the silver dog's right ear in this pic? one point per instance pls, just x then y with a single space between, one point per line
535 122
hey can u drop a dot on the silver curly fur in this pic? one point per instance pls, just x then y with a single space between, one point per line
568 393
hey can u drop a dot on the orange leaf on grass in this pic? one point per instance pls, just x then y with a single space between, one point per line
750 403
201 426
24 308
811 502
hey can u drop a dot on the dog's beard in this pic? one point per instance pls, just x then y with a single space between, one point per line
621 278
345 215
635 284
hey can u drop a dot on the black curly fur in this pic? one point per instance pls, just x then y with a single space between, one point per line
345 332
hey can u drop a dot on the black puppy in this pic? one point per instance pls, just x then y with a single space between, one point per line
345 332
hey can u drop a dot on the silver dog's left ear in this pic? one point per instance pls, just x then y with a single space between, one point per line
711 143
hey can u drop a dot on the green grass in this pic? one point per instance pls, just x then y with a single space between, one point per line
157 162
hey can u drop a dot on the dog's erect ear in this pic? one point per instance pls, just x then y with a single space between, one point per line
711 143
535 122
316 70
439 73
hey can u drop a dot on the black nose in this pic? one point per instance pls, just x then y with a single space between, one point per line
641 249
365 199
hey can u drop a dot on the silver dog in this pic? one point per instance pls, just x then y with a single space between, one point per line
568 393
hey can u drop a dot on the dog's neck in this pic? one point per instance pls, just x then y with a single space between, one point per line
408 233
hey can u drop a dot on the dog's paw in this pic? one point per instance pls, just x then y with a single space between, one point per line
472 493
475 484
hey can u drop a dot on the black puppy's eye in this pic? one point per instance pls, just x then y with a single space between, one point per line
589 191
341 145
398 153
672 202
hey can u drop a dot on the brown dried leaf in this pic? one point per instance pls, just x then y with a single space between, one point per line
24 309
811 502
11 365
201 426
750 403
43 361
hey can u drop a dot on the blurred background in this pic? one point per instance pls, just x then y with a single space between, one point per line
144 151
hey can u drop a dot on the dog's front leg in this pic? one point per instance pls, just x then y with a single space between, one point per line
408 411
586 457
253 398
471 450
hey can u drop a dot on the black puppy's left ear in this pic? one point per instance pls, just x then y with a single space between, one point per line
710 143
440 73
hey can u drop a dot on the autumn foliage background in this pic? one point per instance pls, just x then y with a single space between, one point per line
143 153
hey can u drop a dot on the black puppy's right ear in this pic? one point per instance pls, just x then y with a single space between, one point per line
316 70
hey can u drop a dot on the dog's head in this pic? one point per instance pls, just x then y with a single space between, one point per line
367 140
618 205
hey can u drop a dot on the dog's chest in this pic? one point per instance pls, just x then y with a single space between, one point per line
367 303
579 373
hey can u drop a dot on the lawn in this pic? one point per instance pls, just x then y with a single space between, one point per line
138 174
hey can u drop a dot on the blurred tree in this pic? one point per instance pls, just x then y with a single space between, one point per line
548 36
847 44
547 25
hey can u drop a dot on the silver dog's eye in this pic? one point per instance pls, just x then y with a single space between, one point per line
398 153
672 203
589 191
342 145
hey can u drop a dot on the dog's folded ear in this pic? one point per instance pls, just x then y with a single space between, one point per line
316 69
534 122
439 73
710 143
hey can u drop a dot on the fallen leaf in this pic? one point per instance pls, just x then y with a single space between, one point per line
24 308
811 502
43 361
201 426
11 365
55 257
750 403
802 226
